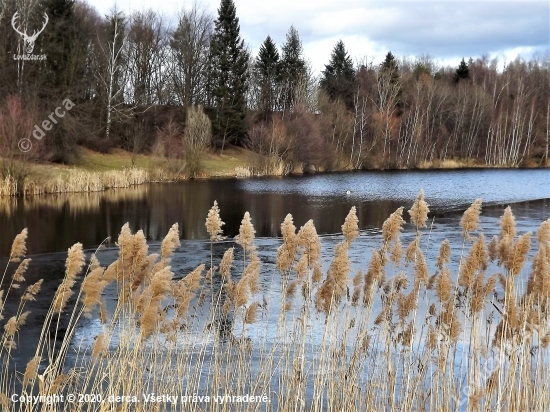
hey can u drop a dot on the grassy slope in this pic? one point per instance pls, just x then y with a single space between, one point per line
214 164
224 164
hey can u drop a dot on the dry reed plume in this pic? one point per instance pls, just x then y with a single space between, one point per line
408 331
214 223
419 211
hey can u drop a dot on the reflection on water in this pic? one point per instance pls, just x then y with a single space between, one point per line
55 222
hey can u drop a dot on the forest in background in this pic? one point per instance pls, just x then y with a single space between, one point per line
141 83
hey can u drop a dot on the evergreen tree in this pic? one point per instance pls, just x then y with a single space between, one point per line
339 76
293 67
462 72
62 75
61 42
389 66
267 68
228 76
421 69
388 89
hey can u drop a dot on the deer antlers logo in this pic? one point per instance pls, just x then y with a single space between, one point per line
29 40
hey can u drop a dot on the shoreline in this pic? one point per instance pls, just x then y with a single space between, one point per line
97 172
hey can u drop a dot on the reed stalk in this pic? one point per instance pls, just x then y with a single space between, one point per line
302 331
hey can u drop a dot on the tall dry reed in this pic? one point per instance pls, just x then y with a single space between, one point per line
77 181
472 336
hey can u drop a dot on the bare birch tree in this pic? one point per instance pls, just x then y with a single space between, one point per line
110 67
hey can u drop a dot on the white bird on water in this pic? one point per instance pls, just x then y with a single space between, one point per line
348 193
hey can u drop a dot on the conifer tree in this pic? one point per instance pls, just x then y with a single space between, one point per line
293 67
389 66
389 86
268 71
61 42
228 75
339 76
62 75
462 72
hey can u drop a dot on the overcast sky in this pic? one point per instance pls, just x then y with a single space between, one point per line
447 30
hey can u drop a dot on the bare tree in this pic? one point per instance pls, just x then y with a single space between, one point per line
547 130
362 114
512 126
270 139
306 89
17 146
21 18
189 55
110 62
196 139
387 93
147 56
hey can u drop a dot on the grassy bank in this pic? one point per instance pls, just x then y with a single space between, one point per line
473 336
97 172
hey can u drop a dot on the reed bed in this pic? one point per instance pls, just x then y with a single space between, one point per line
243 171
77 181
393 336
8 186
125 178
266 166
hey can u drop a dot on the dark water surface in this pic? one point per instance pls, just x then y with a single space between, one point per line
55 222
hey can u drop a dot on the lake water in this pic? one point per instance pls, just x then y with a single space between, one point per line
57 222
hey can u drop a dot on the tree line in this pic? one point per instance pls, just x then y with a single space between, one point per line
136 81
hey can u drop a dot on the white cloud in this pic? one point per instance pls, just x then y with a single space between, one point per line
446 29
359 48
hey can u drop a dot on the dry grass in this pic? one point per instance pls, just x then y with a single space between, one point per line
95 171
404 340
266 166
448 164
243 171
76 181
218 164
475 164
8 186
